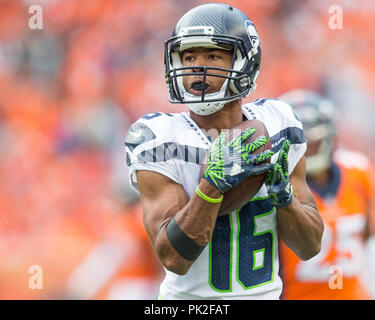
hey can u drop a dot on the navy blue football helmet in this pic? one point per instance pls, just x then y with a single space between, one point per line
220 26
318 116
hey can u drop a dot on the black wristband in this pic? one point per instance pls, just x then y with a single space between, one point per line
184 245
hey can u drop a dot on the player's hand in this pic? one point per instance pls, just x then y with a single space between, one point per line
278 183
231 163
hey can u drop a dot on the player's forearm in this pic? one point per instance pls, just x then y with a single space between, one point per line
197 221
301 228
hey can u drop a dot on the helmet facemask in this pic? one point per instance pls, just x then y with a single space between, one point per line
321 159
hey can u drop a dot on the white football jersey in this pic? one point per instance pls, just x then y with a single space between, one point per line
241 260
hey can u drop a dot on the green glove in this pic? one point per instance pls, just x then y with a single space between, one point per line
230 164
278 183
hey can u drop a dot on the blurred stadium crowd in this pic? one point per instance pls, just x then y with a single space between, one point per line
68 94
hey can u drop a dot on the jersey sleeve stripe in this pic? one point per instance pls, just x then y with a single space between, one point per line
294 134
171 150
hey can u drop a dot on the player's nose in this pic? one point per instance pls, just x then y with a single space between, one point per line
200 62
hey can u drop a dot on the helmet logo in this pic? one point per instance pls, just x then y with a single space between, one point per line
253 36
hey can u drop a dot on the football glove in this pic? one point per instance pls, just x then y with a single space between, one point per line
277 181
231 163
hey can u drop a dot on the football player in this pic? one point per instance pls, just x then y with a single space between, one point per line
343 185
212 62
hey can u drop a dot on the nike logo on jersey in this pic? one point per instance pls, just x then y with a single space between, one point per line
136 134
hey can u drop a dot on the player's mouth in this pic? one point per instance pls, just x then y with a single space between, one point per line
197 87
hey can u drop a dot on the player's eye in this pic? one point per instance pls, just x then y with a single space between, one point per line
188 58
213 56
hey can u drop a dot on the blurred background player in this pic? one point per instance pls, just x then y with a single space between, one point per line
343 185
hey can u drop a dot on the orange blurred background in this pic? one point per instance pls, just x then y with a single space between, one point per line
69 92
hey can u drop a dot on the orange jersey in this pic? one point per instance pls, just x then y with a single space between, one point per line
335 272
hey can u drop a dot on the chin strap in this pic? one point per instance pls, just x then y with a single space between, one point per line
207 108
